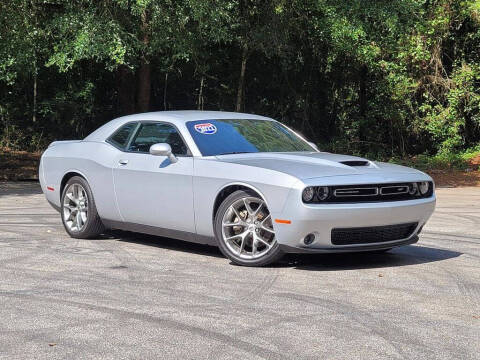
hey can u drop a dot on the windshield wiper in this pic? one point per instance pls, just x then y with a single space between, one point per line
236 152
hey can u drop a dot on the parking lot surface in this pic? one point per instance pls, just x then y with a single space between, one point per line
135 296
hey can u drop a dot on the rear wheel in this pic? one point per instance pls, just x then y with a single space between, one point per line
244 230
79 213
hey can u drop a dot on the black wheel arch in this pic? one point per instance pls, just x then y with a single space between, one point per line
67 177
226 191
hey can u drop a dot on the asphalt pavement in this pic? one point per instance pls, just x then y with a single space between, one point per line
131 296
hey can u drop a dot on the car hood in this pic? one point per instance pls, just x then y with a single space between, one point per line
316 164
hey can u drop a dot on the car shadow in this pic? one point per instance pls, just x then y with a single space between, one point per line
164 243
402 256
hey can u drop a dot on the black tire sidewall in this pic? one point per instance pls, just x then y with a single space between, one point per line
273 255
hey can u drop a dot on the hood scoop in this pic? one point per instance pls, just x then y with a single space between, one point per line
355 163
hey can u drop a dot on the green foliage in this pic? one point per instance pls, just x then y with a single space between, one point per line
377 78
442 161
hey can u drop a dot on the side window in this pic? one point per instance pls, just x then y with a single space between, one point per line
153 133
121 136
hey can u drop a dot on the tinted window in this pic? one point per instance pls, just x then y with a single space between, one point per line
153 133
121 136
216 137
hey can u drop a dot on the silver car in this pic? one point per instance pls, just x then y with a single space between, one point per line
245 183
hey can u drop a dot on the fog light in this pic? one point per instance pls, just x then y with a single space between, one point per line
307 240
307 194
423 186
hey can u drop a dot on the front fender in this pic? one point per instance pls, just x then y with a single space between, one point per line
211 177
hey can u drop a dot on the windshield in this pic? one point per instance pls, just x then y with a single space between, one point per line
221 137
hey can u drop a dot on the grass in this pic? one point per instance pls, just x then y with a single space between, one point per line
18 165
468 160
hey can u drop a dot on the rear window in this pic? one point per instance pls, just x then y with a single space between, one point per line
121 136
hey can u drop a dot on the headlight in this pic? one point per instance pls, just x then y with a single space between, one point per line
307 194
322 192
413 189
424 187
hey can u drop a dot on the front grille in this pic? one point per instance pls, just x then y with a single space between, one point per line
372 234
372 193
369 193
360 191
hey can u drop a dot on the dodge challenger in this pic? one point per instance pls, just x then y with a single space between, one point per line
245 183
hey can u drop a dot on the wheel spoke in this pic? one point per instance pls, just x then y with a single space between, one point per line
242 245
257 210
232 224
268 217
78 218
264 242
267 229
247 206
236 213
83 216
254 245
232 237
70 215
242 235
74 221
71 198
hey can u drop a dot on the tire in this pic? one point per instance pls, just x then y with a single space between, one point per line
250 230
77 198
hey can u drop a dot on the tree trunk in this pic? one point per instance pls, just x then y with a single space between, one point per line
143 86
241 80
35 69
200 94
144 71
363 129
35 76
363 90
126 94
165 92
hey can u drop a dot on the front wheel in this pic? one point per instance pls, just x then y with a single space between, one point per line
79 213
244 230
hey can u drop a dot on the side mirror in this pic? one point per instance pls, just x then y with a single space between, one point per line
313 145
163 149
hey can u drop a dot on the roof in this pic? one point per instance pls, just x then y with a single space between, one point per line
178 118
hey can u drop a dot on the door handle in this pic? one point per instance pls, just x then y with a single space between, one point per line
122 162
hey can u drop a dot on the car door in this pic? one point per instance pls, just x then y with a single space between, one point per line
151 190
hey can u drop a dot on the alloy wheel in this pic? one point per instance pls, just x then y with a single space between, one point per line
75 207
247 228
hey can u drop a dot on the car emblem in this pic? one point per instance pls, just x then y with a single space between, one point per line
206 128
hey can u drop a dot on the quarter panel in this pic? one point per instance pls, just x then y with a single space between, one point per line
90 159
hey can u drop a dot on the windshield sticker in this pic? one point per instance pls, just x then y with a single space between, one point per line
206 128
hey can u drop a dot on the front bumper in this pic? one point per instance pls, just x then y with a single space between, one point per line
370 247
320 219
